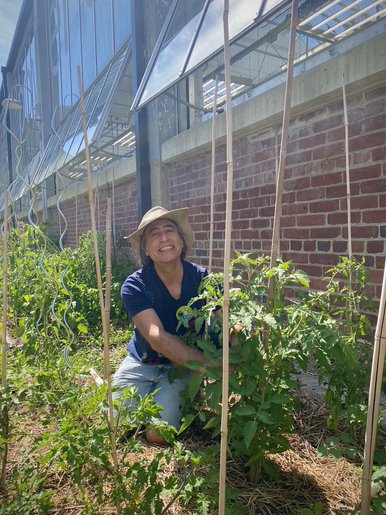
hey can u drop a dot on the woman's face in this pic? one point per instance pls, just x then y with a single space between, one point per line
162 241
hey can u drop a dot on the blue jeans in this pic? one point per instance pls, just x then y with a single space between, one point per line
147 378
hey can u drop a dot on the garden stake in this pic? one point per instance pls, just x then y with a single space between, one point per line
283 149
214 115
227 251
97 263
4 415
348 188
374 399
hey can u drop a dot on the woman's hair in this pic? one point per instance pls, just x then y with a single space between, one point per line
145 260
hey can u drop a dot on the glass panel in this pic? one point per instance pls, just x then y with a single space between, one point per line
242 14
75 49
174 49
88 42
104 32
69 141
211 36
65 72
122 22
54 53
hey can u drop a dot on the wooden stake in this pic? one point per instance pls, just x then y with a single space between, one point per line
4 415
227 251
283 147
213 167
374 399
105 324
348 188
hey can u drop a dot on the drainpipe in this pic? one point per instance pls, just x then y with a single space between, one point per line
140 117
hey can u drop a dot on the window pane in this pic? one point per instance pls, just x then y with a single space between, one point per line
104 32
88 42
64 57
122 22
75 51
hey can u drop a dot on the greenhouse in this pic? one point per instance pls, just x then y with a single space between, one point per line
193 226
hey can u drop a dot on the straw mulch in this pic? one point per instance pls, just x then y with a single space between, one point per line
305 479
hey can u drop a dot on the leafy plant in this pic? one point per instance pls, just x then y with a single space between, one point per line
277 340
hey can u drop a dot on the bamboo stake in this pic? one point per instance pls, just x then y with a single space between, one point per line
4 338
227 251
283 148
348 187
374 399
105 325
213 166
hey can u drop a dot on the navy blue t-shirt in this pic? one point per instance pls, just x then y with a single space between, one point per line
144 290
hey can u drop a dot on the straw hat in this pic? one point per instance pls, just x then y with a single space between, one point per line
179 216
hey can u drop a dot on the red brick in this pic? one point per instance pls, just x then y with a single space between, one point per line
367 141
299 157
341 190
361 231
312 141
375 186
375 247
311 194
296 245
374 123
298 184
293 209
364 156
374 216
379 154
311 220
339 247
258 223
324 206
326 179
296 234
325 232
328 150
368 172
313 270
288 221
360 202
325 259
342 218
358 246
309 246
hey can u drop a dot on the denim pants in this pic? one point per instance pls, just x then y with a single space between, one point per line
147 378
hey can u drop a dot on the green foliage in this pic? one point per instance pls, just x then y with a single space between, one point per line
277 340
53 294
72 440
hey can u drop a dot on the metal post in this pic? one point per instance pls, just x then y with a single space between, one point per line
140 117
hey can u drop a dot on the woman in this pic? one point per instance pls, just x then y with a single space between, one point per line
152 296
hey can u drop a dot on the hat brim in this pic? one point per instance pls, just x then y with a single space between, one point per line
179 216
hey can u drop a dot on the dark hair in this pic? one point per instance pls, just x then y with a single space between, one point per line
145 260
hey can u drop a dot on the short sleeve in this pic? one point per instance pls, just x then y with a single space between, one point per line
135 296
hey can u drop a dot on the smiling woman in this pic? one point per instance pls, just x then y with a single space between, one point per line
152 297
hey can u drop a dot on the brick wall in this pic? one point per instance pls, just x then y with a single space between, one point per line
314 221
77 214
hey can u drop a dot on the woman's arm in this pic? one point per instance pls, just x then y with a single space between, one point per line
169 345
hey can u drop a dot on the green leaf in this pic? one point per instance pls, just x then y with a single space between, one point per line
265 417
213 422
82 328
249 432
194 386
244 411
